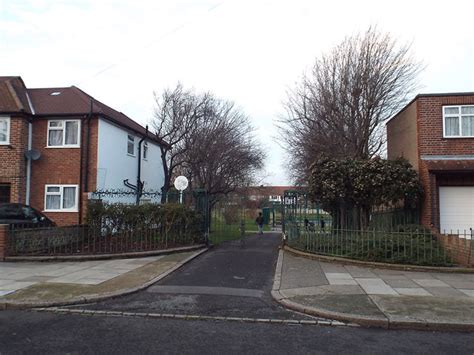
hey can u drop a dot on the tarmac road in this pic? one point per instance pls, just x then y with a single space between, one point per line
229 281
39 333
226 281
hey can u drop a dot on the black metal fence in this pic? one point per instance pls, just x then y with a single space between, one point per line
417 247
115 224
390 234
85 240
231 217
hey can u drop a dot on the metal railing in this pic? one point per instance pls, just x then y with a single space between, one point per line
416 246
82 239
384 234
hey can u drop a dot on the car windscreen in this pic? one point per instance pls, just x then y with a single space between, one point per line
8 211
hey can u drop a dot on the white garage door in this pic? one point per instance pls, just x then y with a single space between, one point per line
456 209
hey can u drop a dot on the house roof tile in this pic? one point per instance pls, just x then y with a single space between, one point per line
13 96
61 101
74 101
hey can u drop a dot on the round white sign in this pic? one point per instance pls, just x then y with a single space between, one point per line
181 183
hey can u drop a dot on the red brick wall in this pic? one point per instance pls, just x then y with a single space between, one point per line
61 166
431 142
12 161
428 211
93 153
430 126
460 249
3 241
93 144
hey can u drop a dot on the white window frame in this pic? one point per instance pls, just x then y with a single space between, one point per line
128 141
61 194
145 150
64 145
459 116
6 118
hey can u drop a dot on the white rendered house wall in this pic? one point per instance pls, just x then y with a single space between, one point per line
115 164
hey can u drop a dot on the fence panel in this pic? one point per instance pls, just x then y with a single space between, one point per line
418 247
391 235
85 240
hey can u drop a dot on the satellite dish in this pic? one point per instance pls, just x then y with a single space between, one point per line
181 183
33 154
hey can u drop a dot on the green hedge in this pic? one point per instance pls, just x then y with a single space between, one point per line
170 218
413 245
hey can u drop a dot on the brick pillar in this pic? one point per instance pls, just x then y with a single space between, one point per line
3 241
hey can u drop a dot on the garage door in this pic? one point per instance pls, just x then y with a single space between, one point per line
456 209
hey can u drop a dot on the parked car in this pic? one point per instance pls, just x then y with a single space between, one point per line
19 215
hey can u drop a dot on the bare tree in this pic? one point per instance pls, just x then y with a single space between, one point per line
339 107
209 140
223 153
176 118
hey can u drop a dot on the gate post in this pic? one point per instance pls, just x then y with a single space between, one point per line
242 223
3 241
242 233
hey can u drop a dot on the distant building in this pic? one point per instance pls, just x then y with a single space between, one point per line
270 193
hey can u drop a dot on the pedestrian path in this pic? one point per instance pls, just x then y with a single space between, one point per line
29 284
17 276
230 281
375 296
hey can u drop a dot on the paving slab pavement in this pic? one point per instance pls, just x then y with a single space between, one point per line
374 296
36 284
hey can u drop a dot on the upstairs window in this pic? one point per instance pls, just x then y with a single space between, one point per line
4 130
458 121
145 150
130 145
63 133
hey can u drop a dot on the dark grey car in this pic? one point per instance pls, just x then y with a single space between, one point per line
19 215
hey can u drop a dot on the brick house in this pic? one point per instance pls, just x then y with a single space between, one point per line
59 144
435 132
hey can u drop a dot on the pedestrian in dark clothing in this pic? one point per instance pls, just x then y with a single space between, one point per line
259 221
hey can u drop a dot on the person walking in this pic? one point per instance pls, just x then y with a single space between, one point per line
259 221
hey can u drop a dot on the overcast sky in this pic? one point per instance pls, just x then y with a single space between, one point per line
250 52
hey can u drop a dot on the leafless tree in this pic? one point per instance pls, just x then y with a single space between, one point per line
340 106
211 141
223 153
176 119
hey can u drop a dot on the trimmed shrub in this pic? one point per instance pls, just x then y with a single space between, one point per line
412 244
170 220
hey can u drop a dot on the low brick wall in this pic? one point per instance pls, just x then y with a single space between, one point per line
53 240
460 249
3 241
86 241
